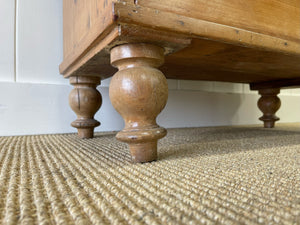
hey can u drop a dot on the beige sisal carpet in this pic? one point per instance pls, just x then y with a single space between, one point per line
225 175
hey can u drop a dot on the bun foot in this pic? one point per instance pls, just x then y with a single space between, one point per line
269 104
85 100
139 92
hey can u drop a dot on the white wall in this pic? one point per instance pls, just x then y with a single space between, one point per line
34 96
7 42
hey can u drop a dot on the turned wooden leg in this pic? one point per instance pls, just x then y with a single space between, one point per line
139 92
269 103
85 101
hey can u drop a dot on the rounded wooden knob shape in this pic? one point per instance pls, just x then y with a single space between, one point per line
85 101
269 104
139 92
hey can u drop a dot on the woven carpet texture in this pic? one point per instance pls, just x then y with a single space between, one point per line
215 175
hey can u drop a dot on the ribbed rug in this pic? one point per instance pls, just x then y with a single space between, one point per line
214 175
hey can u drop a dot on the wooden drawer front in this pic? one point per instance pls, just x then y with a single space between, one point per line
280 18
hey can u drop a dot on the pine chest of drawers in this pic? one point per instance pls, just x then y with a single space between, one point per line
140 42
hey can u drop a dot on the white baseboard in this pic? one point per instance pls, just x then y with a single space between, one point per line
27 109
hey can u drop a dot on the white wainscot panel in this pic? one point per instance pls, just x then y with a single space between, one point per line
246 89
106 82
39 47
195 85
228 87
172 84
295 91
7 23
285 92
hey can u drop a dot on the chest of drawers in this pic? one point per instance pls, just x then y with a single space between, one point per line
252 41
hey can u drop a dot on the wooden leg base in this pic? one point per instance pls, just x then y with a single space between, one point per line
142 142
268 124
85 127
143 152
85 133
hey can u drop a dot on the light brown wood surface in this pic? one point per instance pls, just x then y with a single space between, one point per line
201 28
224 62
83 23
277 18
139 92
85 100
236 41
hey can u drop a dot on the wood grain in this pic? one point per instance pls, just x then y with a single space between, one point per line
95 60
218 52
217 61
85 100
276 18
198 28
139 92
83 22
